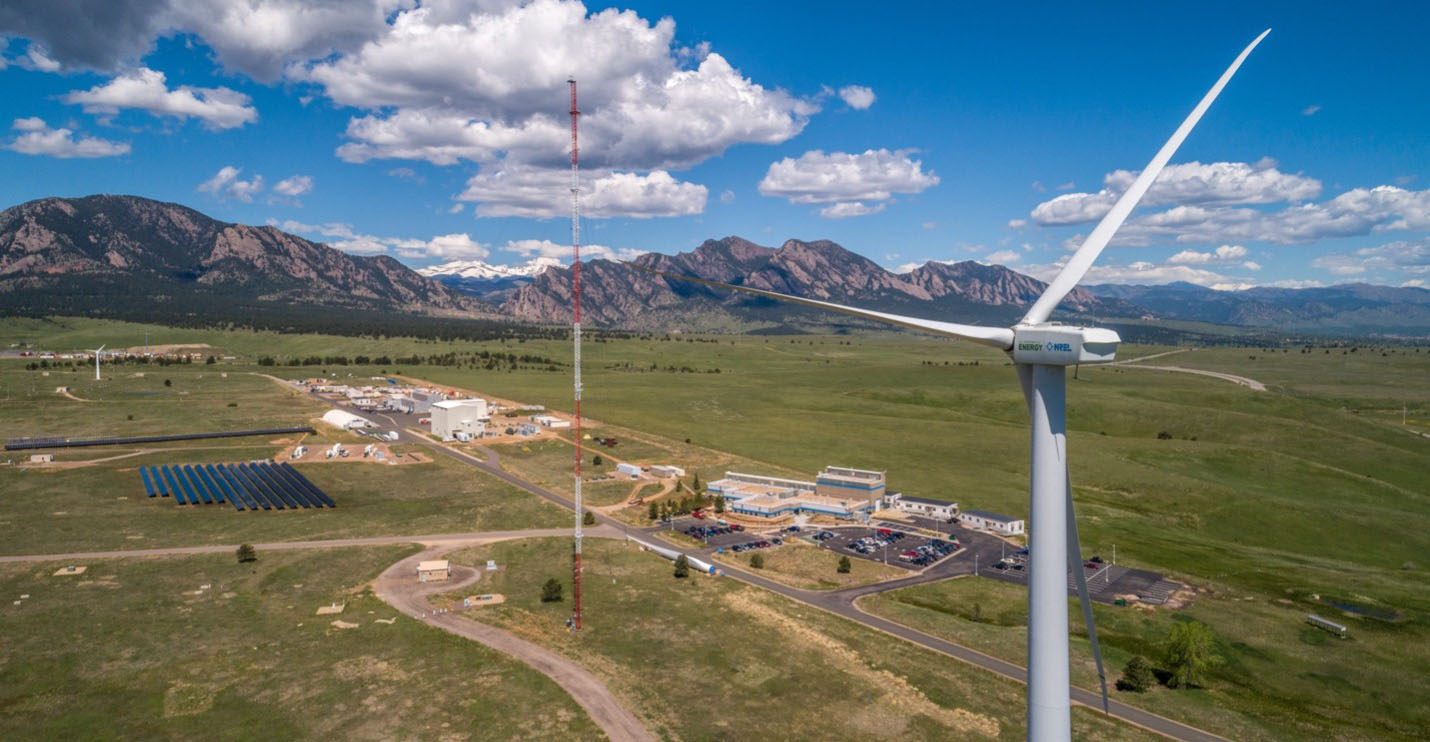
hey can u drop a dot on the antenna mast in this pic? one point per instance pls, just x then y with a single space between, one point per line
576 339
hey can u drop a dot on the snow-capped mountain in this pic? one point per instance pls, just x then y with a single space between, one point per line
483 279
481 269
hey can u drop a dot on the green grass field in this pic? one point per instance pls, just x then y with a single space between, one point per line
134 649
1312 488
711 659
802 565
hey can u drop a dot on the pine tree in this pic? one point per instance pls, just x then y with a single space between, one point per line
845 565
246 553
1136 676
551 591
757 561
682 567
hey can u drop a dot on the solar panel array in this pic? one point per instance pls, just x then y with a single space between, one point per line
257 485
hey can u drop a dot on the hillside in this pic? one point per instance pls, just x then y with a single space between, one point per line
617 294
117 255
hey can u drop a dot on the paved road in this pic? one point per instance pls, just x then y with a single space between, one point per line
842 603
398 587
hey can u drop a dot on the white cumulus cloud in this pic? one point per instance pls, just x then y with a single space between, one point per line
145 89
857 97
37 138
855 183
1223 254
544 192
561 254
1402 257
1191 183
296 185
225 184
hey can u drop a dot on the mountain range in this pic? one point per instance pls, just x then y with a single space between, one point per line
135 258
484 280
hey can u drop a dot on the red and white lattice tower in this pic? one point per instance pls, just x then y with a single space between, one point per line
576 339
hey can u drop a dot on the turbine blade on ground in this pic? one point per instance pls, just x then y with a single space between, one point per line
1082 260
996 337
1075 564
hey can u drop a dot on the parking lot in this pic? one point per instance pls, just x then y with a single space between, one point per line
1105 582
883 544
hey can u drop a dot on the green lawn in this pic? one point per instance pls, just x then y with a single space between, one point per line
802 565
135 649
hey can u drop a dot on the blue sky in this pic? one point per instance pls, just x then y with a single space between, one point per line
906 133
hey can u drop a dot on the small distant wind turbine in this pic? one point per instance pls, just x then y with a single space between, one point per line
96 352
1041 352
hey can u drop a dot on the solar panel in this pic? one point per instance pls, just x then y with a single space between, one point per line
158 481
222 485
174 485
249 498
281 485
198 486
148 487
303 485
298 487
321 495
259 486
282 488
209 483
248 487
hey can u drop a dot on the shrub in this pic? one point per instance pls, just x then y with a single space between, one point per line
1137 676
246 553
845 565
682 567
589 519
551 590
757 561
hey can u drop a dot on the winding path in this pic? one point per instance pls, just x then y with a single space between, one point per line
1251 384
398 587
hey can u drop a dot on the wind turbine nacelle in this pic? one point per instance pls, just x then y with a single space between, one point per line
1055 345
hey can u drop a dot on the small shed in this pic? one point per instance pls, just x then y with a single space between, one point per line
435 570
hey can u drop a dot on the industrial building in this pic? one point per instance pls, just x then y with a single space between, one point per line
666 472
630 470
836 491
982 520
346 420
550 421
458 419
924 506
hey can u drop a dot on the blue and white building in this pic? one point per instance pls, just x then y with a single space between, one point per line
836 491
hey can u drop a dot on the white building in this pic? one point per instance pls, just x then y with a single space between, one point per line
924 506
666 472
550 421
467 416
630 470
346 420
982 520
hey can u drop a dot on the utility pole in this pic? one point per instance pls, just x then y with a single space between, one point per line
576 340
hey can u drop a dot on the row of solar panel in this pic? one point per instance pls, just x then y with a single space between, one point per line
262 485
20 444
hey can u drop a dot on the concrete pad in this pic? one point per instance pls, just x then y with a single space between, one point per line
328 610
72 570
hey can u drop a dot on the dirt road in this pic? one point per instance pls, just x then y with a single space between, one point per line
399 587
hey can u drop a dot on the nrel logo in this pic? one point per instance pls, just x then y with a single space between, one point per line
1064 347
1030 346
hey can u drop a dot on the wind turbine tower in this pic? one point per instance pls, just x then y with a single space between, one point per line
1041 352
96 352
576 340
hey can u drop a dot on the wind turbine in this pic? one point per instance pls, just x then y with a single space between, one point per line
1041 352
96 351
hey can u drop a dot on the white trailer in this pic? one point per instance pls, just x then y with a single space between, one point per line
700 565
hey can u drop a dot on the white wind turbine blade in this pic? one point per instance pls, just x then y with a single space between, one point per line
996 337
1083 259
